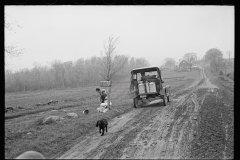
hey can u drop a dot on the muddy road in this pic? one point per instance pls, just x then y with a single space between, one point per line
178 130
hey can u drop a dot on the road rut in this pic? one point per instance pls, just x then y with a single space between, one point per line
150 132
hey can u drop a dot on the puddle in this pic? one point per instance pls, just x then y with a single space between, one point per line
119 117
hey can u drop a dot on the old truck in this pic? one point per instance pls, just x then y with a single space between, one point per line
146 86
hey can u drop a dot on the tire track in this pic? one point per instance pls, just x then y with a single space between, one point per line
150 132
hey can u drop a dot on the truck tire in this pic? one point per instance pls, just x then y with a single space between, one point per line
135 102
168 98
165 100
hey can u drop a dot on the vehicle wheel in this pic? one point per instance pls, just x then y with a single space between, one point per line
168 98
135 102
165 100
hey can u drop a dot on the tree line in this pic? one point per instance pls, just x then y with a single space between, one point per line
213 56
190 57
81 72
217 63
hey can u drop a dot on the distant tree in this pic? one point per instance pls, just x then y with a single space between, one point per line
58 72
79 71
9 81
190 57
214 56
216 63
18 83
37 73
170 62
24 77
68 77
92 70
142 62
67 74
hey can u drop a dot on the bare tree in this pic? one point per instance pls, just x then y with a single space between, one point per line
190 57
36 71
79 70
170 62
111 62
58 72
11 50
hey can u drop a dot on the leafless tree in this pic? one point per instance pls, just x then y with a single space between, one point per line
11 50
59 73
78 73
111 62
37 72
170 62
190 57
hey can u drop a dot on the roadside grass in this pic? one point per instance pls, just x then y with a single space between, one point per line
179 80
54 139
28 100
23 133
222 81
229 69
172 74
215 130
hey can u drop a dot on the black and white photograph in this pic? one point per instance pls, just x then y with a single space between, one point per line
119 81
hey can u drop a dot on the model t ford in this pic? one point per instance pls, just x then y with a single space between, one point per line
146 86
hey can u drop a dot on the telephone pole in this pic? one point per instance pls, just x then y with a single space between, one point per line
229 53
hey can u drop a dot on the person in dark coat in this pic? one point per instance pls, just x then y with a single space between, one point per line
102 93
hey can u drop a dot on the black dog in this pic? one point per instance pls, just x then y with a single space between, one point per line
102 124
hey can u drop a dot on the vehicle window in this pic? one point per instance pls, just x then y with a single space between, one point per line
138 76
134 76
151 73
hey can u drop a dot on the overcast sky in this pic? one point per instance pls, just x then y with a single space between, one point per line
154 32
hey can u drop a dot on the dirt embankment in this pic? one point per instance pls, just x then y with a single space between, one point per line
214 132
198 123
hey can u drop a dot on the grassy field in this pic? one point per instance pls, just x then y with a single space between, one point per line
179 80
23 132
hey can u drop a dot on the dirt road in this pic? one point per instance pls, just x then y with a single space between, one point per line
158 131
